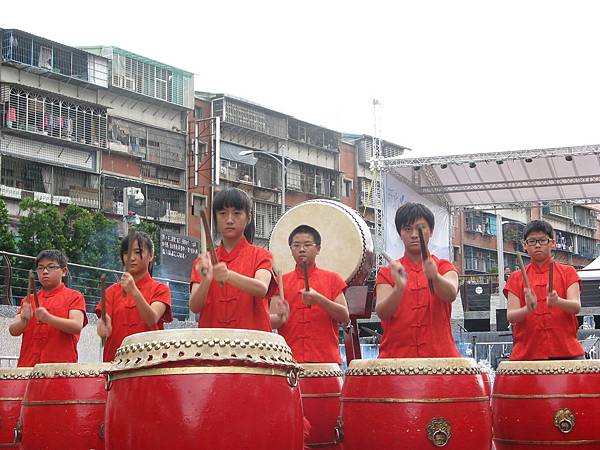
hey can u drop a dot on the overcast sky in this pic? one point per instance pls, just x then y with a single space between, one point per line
451 76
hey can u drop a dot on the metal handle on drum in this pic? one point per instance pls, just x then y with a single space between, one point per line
564 420
439 432
18 432
107 382
338 431
292 377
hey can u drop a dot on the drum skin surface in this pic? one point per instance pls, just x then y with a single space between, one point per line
321 387
415 404
63 407
547 405
346 242
12 388
211 389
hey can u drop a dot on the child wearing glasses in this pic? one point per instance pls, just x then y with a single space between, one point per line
51 331
308 320
544 323
233 292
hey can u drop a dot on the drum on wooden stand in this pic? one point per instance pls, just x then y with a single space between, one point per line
13 382
546 405
321 386
347 247
202 389
63 408
415 403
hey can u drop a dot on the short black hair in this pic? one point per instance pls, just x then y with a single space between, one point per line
538 225
53 255
144 242
410 212
238 199
305 229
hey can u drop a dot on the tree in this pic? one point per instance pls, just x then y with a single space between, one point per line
40 227
7 240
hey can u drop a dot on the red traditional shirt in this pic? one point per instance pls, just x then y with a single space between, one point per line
125 317
228 306
311 333
546 333
420 327
43 343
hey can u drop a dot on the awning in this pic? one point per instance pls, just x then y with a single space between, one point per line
231 152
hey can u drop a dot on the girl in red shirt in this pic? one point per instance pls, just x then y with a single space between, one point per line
414 297
147 303
232 293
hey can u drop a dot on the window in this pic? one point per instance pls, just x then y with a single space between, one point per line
347 187
198 113
266 218
198 204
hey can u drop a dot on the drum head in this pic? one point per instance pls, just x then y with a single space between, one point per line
346 242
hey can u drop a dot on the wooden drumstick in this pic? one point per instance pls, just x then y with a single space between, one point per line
524 272
280 281
210 245
306 285
130 237
424 253
103 303
390 260
31 288
551 277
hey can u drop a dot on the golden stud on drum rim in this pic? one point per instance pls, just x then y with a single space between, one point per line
347 245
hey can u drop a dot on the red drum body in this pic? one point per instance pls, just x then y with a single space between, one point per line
63 408
547 405
12 388
204 389
487 387
415 404
321 387
347 247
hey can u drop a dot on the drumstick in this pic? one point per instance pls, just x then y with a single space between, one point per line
389 260
424 253
305 272
280 281
28 298
32 287
523 271
210 245
130 236
103 303
551 277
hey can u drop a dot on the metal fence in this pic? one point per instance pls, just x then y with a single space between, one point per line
14 272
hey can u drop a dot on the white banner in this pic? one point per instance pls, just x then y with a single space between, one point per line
396 194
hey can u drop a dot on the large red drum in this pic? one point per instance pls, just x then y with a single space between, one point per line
547 405
321 387
415 404
13 382
63 407
201 389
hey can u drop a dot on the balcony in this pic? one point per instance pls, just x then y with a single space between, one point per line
42 56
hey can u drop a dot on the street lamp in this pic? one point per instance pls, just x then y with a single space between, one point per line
282 161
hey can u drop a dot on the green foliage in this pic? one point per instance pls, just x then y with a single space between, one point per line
40 227
7 240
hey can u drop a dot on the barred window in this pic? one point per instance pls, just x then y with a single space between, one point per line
266 217
50 116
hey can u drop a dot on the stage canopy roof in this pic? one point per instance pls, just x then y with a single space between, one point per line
503 179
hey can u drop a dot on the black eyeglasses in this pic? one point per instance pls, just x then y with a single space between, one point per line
49 268
543 241
297 246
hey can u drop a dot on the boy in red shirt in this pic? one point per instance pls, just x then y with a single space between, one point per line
544 324
232 293
416 318
51 331
310 323
147 304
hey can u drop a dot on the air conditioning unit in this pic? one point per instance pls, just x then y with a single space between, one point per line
129 84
